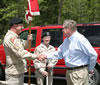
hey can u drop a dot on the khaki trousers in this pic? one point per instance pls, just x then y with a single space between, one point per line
15 79
40 77
77 76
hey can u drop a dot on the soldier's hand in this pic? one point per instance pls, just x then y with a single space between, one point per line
30 38
44 73
49 66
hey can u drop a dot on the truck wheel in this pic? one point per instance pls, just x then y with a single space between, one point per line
2 73
94 79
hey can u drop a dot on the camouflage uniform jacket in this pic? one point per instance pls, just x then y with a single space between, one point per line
15 53
41 64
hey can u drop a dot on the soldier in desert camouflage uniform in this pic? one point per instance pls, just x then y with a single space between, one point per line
41 65
16 53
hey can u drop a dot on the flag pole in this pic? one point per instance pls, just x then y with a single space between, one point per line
32 9
29 44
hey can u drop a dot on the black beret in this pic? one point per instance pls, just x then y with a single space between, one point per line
45 34
16 21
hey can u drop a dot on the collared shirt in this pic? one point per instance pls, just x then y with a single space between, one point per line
76 51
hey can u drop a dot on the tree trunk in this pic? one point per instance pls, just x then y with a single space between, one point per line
59 16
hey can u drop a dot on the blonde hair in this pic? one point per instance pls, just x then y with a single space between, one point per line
70 23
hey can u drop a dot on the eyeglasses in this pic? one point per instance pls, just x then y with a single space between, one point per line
65 27
20 24
22 28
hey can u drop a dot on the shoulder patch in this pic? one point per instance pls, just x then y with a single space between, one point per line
14 43
12 39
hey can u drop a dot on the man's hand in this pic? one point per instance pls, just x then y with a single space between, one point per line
30 38
42 57
91 72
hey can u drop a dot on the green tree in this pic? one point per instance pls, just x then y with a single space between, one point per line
94 6
8 10
51 12
77 10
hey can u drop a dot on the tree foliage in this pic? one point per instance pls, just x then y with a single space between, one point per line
8 10
51 12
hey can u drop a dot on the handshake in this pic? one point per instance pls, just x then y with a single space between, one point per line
41 57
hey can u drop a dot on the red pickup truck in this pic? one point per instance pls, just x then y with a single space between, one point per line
91 31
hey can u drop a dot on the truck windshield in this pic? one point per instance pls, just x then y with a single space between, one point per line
92 33
24 35
56 36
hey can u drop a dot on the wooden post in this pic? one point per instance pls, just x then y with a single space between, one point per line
29 68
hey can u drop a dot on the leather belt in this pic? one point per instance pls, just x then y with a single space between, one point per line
72 68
